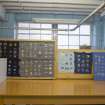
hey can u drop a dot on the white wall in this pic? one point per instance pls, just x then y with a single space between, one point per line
3 69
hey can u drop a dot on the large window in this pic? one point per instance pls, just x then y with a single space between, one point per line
34 31
73 39
66 39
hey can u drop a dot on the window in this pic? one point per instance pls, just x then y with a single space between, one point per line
67 39
34 31
85 35
85 29
73 39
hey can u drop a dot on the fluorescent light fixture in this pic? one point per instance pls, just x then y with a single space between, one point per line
55 21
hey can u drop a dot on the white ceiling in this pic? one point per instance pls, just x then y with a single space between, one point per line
51 6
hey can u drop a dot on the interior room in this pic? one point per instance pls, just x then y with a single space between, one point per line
52 52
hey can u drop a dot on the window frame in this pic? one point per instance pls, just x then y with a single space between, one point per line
31 28
52 33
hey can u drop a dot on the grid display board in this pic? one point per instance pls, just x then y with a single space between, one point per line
66 62
28 58
37 59
10 50
99 65
83 63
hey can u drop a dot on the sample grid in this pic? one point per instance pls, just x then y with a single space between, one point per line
37 59
10 50
83 62
99 65
66 62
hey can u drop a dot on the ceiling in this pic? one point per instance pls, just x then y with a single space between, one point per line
51 6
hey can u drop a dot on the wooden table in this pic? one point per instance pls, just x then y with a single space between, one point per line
52 92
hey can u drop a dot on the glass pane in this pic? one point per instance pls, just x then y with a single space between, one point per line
75 31
74 47
62 26
46 32
62 40
46 37
63 32
85 29
84 40
33 25
34 31
26 25
23 31
46 26
23 36
37 37
73 40
62 47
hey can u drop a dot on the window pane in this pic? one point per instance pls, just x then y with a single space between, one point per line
84 40
73 40
62 26
75 31
85 29
23 31
34 31
37 37
62 47
23 36
46 37
63 32
23 25
74 47
33 25
46 26
62 40
46 32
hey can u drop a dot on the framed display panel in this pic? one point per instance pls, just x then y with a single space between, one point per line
99 65
36 59
83 63
10 50
66 62
64 74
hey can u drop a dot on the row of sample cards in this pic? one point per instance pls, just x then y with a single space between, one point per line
75 62
29 58
83 63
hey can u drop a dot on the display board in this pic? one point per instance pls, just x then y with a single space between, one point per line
29 58
66 62
10 50
83 62
75 64
37 59
99 65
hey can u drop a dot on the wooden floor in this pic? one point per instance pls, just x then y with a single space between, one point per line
67 91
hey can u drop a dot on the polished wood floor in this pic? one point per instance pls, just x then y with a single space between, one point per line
52 88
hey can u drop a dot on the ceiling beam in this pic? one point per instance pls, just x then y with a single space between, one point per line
47 12
48 5
50 9
77 2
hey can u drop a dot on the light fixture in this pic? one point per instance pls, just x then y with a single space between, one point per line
55 21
